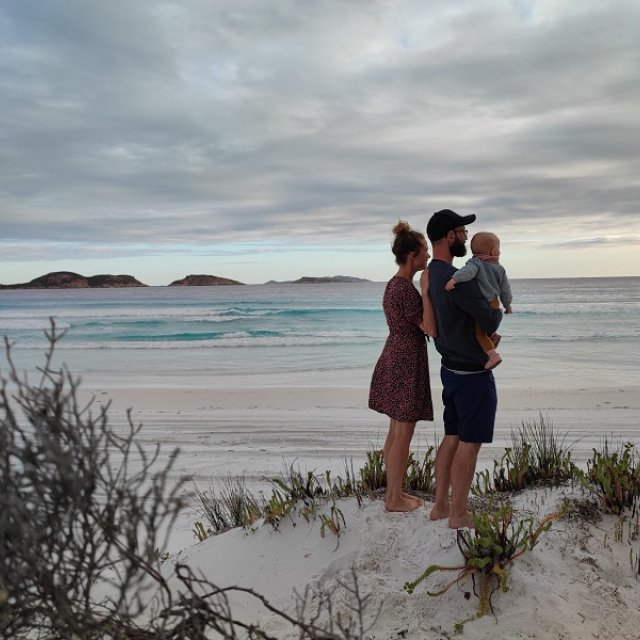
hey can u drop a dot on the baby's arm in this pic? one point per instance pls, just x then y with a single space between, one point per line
505 293
464 274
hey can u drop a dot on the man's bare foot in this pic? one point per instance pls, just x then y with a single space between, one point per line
439 513
461 522
402 505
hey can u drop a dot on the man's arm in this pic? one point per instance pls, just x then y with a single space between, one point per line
471 301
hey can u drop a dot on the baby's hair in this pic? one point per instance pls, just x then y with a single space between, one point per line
406 240
483 242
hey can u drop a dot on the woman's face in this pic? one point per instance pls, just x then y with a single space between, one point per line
421 257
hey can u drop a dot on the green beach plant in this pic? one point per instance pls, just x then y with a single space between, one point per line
421 476
201 532
613 476
372 474
334 521
488 550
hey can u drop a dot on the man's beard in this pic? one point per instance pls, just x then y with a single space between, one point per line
458 249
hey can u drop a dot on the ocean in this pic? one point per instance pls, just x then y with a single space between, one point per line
563 332
247 379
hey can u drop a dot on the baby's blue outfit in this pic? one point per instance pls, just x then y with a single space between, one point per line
490 276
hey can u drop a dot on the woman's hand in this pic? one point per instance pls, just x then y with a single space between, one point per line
424 280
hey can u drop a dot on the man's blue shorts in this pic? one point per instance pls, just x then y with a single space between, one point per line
470 402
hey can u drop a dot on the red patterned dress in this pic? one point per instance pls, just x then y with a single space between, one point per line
400 386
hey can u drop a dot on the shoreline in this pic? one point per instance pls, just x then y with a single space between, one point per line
254 432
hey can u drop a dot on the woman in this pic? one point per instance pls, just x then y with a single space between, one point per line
400 385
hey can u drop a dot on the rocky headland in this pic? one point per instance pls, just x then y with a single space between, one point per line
70 280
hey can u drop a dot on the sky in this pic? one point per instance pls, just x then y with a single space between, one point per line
272 140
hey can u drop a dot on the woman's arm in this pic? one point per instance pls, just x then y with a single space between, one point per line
428 324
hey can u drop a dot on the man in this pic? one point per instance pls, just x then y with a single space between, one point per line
468 389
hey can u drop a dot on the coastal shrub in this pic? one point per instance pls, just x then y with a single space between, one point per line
80 548
495 541
79 527
613 476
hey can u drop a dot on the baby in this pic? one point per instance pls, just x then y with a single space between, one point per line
493 282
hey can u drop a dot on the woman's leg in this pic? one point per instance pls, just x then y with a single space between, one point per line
396 465
389 441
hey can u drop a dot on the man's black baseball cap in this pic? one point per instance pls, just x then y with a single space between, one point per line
441 222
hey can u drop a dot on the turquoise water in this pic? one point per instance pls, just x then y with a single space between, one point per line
562 332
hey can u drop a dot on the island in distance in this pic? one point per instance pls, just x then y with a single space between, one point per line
319 280
70 280
203 281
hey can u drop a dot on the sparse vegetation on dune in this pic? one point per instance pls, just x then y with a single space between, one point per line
81 555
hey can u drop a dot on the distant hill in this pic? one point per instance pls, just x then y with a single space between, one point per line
203 281
70 280
320 280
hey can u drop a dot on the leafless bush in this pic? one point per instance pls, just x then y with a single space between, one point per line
81 508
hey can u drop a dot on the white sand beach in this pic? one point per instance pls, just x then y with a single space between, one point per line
578 582
251 431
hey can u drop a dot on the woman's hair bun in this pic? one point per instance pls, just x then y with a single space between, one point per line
402 227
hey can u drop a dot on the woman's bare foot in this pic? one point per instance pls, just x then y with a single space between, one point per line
417 499
461 522
402 505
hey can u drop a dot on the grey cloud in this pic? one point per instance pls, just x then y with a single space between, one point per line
155 122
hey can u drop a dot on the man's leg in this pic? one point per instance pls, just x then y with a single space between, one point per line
444 459
463 470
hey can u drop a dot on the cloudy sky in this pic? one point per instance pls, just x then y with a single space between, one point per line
270 140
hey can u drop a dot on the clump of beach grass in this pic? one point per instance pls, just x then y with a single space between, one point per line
225 506
538 456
